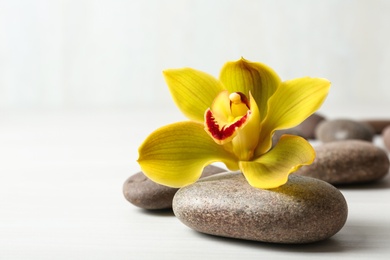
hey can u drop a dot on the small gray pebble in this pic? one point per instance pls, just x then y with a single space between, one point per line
304 210
347 162
343 129
144 193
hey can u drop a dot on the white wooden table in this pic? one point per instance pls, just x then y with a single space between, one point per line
61 176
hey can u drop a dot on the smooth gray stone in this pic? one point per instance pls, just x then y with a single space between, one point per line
144 193
343 129
347 162
377 124
304 210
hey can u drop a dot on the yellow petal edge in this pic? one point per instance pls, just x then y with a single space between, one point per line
293 102
193 91
273 168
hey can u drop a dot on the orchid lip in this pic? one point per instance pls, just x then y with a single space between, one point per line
225 133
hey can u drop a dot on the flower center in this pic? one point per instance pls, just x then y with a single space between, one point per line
227 114
238 104
235 98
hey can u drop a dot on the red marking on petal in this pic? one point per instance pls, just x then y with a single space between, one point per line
227 130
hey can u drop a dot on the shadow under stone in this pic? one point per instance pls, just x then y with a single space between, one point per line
356 236
383 183
329 245
157 212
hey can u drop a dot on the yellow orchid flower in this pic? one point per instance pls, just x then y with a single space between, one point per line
232 120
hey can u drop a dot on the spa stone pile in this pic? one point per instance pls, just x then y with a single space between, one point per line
306 209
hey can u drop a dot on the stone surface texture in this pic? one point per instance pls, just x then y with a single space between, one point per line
343 129
144 193
304 210
347 162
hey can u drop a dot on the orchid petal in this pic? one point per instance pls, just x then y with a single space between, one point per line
247 137
193 91
272 169
245 76
175 155
293 102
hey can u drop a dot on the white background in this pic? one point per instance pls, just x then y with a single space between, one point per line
72 54
81 87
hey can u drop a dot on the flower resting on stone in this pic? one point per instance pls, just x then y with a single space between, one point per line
232 120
